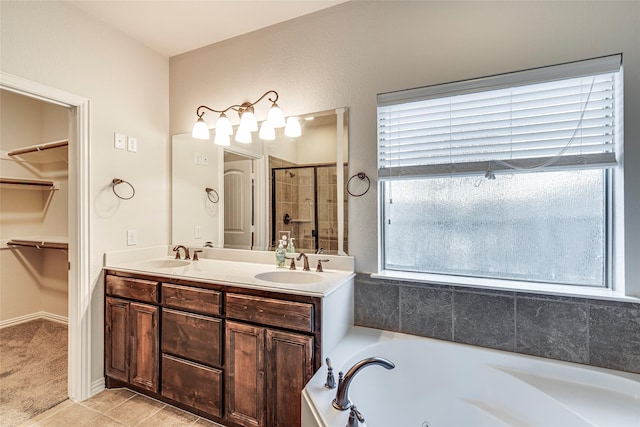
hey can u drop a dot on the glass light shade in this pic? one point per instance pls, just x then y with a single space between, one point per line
200 129
267 132
276 117
248 121
223 125
222 139
243 136
292 129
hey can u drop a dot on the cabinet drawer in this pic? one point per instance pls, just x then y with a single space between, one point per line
137 289
189 298
267 311
192 384
192 336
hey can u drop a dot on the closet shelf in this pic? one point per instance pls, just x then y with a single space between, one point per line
50 152
29 183
40 242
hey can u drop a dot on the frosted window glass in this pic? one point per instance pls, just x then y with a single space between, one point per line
544 227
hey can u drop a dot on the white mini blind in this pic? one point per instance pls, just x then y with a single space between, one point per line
556 117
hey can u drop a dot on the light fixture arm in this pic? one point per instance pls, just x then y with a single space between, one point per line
239 108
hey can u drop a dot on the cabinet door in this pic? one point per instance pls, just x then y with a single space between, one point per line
116 339
144 366
244 370
289 368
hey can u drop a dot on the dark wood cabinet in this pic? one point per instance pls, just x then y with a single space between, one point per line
267 368
192 384
244 364
131 343
240 357
289 367
116 334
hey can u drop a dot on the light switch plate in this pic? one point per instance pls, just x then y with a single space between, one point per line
119 141
197 232
132 237
132 144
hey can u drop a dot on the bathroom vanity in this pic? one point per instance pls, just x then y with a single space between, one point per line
211 338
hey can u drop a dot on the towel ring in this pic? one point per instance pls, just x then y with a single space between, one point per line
211 191
361 176
118 181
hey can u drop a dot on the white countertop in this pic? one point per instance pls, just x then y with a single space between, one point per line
234 267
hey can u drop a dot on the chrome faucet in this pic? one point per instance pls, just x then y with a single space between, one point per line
319 265
341 401
305 266
355 417
177 251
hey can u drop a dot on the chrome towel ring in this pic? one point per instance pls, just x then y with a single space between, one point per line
361 176
211 192
117 181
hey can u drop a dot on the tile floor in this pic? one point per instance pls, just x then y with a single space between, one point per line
117 408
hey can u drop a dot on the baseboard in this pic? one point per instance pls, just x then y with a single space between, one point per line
97 386
34 316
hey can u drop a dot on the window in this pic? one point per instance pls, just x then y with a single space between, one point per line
506 177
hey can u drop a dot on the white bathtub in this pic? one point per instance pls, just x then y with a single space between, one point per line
437 383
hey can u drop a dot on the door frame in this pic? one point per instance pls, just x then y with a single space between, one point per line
79 385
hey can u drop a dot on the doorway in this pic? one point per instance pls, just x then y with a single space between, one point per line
79 317
239 201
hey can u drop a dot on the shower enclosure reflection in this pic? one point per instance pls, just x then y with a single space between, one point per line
305 203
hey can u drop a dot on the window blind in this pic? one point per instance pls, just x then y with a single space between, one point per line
556 117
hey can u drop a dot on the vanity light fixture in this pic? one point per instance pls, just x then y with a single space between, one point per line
248 123
292 128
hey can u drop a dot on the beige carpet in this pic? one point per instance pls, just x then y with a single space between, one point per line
33 369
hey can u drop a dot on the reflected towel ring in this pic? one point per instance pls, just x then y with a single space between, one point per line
212 191
117 181
361 176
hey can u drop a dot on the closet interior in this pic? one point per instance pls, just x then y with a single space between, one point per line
34 206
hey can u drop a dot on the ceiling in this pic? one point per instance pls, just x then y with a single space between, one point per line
172 27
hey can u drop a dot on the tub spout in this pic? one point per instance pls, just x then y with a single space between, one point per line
341 401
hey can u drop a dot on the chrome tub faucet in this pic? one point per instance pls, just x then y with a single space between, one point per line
341 401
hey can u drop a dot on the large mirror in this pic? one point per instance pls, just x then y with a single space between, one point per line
246 196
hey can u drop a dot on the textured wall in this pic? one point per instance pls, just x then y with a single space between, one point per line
345 55
55 44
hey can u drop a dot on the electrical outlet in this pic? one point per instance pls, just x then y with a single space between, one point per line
119 141
132 237
132 144
197 232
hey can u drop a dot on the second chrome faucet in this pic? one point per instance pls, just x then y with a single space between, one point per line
341 401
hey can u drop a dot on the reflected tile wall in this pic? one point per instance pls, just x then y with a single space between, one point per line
582 330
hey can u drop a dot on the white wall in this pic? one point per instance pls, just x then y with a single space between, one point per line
345 55
55 44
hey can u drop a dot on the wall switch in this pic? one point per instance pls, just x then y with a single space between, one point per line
197 232
132 237
119 141
132 144
205 159
197 158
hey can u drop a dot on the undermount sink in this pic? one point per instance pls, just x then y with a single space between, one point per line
163 263
291 277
